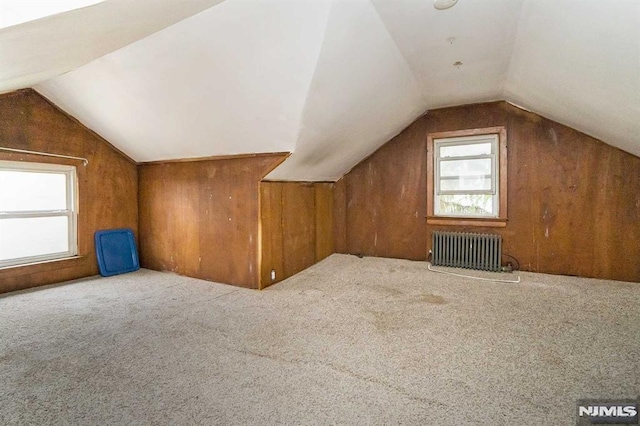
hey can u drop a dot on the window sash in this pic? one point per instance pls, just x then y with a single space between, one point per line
492 175
71 242
463 141
35 214
70 212
491 190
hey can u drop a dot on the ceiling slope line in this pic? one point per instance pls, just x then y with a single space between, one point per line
518 24
416 75
313 75
377 74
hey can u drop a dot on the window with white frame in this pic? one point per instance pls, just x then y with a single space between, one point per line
37 212
466 176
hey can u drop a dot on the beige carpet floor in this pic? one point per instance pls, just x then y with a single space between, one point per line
348 341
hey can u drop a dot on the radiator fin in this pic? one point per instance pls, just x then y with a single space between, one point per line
466 250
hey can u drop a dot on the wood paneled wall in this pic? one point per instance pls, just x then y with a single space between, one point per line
200 218
296 227
574 202
107 186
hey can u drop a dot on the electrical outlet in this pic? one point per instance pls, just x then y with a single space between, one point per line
273 275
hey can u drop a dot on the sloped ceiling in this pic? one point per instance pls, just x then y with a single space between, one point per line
230 80
578 62
331 81
38 50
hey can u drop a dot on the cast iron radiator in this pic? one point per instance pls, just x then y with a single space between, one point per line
466 250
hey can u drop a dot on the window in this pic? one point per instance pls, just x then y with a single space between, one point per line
467 180
37 212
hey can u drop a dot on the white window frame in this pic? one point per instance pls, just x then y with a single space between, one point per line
71 212
495 172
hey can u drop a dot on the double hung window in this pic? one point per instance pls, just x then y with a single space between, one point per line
467 177
37 212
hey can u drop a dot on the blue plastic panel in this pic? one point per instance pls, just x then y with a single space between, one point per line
116 251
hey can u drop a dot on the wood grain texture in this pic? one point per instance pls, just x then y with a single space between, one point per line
200 219
324 220
573 206
107 186
385 199
340 216
271 237
296 227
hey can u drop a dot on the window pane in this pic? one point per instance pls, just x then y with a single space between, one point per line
478 183
479 167
464 150
25 237
32 191
466 204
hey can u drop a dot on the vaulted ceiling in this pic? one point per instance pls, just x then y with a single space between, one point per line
329 80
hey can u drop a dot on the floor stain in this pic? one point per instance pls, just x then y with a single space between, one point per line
432 298
387 290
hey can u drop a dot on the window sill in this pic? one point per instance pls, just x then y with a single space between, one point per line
44 262
467 221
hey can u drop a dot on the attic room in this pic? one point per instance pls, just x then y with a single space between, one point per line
312 212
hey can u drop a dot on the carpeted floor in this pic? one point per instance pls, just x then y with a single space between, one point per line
349 341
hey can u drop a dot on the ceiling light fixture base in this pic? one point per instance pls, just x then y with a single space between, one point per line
444 4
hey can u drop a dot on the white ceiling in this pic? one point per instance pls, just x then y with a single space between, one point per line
230 80
38 50
329 80
578 62
14 12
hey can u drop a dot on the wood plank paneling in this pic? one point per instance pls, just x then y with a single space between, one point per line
296 227
200 218
340 217
324 220
386 203
573 207
107 186
271 237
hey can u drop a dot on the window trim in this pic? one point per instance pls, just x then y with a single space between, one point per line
71 212
501 219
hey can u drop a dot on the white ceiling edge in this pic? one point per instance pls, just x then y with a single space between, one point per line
63 42
16 12
230 80
579 65
353 161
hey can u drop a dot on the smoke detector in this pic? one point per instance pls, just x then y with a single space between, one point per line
444 4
